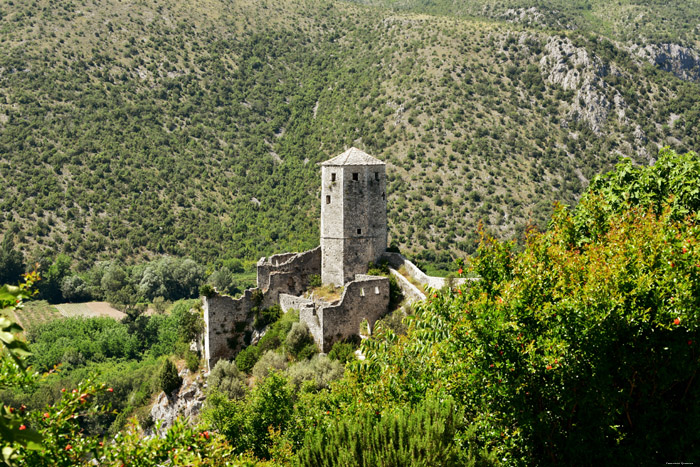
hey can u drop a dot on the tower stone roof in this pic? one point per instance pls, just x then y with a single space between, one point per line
353 156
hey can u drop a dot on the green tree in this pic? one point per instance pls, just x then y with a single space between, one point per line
168 379
11 261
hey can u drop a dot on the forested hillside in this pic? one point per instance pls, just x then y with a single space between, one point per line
139 128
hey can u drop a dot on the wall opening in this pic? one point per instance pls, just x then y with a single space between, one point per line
362 292
376 175
359 231
355 176
332 177
383 196
328 199
376 290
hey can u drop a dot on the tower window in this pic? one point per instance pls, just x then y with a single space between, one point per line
383 195
328 199
332 177
376 175
355 176
359 231
376 290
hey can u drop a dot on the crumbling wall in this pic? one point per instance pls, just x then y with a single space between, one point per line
289 302
367 297
396 260
410 292
228 324
288 273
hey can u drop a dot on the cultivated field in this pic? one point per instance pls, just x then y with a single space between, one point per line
39 312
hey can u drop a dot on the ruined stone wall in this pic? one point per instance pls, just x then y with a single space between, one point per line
410 292
228 324
287 273
314 320
396 260
290 302
367 297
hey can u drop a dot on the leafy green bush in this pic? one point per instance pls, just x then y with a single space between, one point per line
192 360
579 351
297 340
269 361
227 380
207 290
222 280
246 423
342 352
168 379
266 316
314 281
320 370
247 358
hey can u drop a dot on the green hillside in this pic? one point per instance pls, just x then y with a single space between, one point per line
625 20
130 129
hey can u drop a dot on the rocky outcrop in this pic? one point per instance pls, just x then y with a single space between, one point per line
575 69
534 16
187 402
683 62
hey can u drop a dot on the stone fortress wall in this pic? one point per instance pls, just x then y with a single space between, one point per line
365 298
288 273
397 261
227 321
353 234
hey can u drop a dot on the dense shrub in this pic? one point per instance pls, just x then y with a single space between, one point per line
582 349
421 435
226 379
298 339
247 423
168 378
192 360
342 352
320 370
269 361
266 316
247 358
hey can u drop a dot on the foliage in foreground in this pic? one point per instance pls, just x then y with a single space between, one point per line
424 435
583 349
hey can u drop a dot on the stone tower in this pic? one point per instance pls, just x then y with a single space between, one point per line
353 215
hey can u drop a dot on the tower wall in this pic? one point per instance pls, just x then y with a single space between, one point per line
353 220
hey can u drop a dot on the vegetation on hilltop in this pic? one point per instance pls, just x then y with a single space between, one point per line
192 129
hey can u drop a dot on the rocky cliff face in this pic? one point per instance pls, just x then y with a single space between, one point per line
187 402
683 62
575 69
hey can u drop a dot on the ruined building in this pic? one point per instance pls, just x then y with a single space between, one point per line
353 234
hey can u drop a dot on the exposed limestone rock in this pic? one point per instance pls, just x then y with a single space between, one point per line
187 402
683 62
534 16
574 69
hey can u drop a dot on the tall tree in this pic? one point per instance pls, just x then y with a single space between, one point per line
11 260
